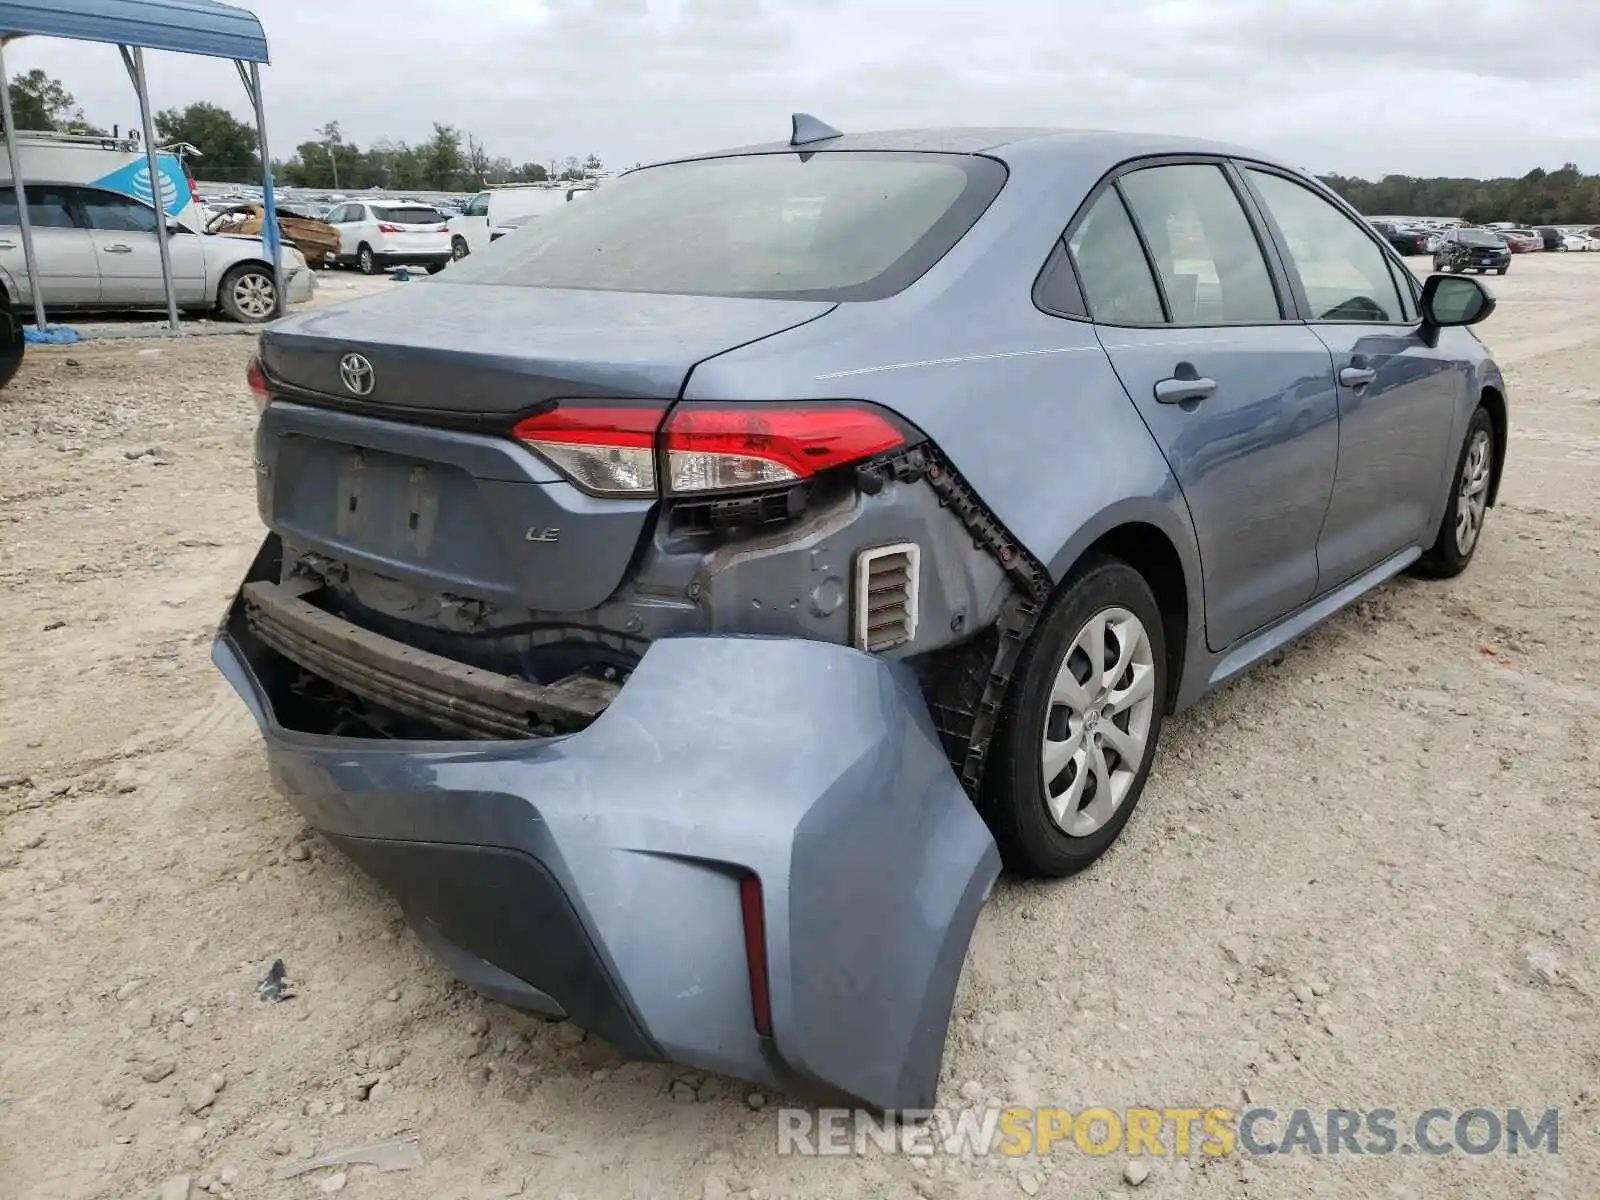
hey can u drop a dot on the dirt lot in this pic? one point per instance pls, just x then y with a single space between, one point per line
1365 876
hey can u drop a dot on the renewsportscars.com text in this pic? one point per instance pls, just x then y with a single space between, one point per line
1175 1131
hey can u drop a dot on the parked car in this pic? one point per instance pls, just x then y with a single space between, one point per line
489 210
1404 238
1549 237
101 250
376 235
522 520
1523 241
1480 250
1576 240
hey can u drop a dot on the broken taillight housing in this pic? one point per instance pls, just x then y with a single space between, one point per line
613 448
713 448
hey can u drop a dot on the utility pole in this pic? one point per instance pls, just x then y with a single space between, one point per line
334 160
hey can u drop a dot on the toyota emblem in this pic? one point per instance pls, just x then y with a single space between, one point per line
356 372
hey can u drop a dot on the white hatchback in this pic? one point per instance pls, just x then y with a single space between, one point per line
378 234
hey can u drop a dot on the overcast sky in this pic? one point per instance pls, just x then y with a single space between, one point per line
1366 87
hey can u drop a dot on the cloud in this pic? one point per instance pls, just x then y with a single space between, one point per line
1358 86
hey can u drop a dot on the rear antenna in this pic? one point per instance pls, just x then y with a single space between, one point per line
807 129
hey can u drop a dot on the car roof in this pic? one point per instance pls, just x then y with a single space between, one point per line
1086 146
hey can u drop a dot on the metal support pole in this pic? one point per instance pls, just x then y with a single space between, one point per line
21 190
269 200
134 59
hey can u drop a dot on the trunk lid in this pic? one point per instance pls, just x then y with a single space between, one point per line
487 351
416 480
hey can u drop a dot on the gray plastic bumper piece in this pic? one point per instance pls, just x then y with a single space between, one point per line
598 875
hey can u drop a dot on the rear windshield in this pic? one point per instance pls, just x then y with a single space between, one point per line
831 226
1480 237
408 215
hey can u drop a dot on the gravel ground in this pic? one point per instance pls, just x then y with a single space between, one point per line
1364 876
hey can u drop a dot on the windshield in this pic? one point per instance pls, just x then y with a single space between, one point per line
1480 237
408 214
823 226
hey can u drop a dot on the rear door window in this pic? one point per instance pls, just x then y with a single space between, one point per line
1211 266
48 207
1118 288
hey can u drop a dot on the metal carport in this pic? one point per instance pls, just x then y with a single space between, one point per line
186 26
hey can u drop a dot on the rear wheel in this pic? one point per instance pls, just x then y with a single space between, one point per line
1462 526
1076 743
248 294
367 260
459 248
435 268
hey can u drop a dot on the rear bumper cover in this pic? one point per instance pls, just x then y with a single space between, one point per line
597 875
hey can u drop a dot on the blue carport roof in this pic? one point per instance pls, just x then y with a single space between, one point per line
187 26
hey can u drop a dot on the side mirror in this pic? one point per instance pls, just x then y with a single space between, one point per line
1449 300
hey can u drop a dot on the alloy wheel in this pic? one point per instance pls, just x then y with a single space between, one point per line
254 294
1101 708
1473 498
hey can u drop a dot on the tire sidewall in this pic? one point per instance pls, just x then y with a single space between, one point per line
230 281
367 261
1449 556
1029 839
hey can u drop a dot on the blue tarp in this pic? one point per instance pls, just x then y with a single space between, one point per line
53 335
186 26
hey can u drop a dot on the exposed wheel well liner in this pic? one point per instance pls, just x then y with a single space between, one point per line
1150 552
1496 404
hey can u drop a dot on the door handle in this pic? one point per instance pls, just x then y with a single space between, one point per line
1357 377
1179 391
8 245
119 248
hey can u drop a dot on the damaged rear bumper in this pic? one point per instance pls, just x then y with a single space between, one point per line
598 876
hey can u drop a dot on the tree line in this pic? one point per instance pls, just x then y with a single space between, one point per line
453 161
449 161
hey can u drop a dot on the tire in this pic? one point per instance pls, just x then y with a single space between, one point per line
366 260
1501 270
247 294
12 346
435 268
1470 485
1032 841
459 248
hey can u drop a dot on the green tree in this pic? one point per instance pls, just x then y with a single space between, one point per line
40 102
531 172
444 166
227 145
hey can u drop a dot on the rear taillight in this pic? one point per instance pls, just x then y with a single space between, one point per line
441 229
607 449
712 448
385 227
755 952
611 449
257 379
